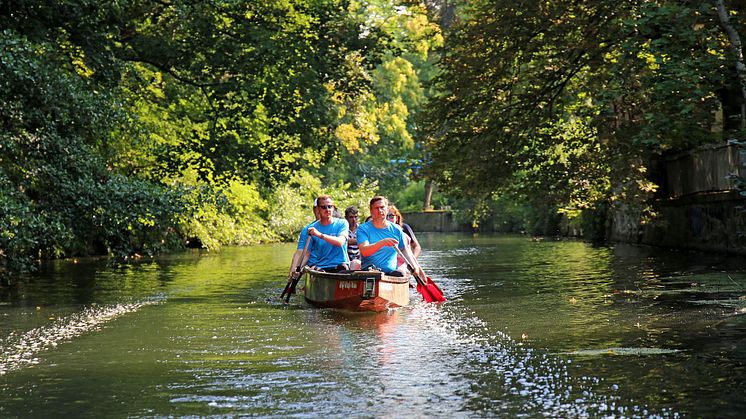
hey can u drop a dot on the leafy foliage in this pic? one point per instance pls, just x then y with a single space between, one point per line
231 88
381 126
59 198
292 203
139 126
224 215
567 104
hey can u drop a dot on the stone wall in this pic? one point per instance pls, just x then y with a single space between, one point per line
698 208
435 221
713 222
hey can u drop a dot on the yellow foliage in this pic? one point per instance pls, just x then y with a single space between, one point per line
648 56
77 56
349 136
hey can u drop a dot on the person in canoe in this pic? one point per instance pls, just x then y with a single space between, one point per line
353 252
378 238
295 264
328 238
395 217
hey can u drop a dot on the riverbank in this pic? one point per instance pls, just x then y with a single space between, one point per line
712 222
709 222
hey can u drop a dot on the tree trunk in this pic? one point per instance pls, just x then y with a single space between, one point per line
737 47
445 11
447 14
428 195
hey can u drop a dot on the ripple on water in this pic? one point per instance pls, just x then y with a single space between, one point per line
533 381
18 350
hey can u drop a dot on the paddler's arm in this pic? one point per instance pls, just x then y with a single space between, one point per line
296 260
304 261
338 241
414 243
367 249
412 260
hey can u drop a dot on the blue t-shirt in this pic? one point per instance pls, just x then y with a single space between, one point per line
327 255
302 244
385 258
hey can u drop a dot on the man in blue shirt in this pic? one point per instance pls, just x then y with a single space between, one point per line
378 237
298 255
328 237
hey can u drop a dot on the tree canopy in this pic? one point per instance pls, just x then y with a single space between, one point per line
133 126
570 103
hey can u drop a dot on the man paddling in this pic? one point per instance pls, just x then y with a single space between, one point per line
378 238
328 238
298 255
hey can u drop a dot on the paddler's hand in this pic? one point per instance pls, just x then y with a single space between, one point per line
389 242
313 232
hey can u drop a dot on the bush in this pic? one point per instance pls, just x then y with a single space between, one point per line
291 206
24 234
57 196
116 216
224 215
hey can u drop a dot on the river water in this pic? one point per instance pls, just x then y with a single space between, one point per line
531 329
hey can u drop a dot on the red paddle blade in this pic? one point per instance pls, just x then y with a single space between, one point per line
435 290
430 292
422 289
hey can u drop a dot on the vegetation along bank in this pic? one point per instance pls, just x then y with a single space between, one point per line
132 128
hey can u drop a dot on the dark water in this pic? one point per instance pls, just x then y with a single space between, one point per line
532 329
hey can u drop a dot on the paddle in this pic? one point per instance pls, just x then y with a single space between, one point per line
425 285
293 282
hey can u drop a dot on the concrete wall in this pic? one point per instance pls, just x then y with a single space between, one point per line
436 221
710 222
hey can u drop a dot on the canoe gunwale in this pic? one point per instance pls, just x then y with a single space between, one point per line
358 276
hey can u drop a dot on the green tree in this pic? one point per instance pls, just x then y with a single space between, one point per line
235 88
128 127
381 128
569 103
59 197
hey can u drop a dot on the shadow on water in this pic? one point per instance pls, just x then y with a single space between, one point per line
558 329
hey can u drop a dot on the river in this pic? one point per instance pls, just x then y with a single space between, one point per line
530 328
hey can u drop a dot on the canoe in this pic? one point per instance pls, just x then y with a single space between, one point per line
356 290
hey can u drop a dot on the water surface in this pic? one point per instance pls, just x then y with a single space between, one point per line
531 328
